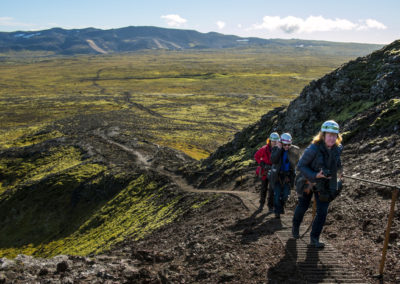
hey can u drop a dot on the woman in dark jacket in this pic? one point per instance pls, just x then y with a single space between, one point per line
319 166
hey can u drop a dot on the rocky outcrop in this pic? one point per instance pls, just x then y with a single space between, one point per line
374 78
361 95
73 269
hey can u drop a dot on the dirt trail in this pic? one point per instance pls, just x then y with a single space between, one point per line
249 199
141 160
317 266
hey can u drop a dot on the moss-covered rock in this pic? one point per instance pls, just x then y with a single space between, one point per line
57 199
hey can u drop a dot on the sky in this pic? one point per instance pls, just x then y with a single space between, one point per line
340 20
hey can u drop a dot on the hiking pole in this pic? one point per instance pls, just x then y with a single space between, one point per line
314 211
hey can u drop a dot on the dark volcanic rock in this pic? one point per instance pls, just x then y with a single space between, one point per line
361 95
62 267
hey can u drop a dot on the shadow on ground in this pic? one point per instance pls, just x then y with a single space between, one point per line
256 226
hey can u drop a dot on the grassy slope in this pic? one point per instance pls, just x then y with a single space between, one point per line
55 200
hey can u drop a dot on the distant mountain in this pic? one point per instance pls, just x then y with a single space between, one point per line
129 39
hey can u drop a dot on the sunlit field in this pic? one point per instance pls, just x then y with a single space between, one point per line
192 101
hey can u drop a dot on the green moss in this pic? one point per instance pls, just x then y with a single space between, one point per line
199 205
129 213
201 97
48 209
246 163
351 110
390 116
27 140
38 166
393 52
85 210
8 137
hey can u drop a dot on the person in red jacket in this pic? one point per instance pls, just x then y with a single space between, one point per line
263 158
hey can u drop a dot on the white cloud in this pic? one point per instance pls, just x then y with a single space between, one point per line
374 24
174 20
10 22
239 26
221 24
312 24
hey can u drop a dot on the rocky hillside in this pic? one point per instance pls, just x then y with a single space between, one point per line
58 41
363 96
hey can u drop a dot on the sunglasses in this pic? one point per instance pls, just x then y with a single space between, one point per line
286 145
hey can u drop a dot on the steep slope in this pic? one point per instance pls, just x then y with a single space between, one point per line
68 190
362 95
94 41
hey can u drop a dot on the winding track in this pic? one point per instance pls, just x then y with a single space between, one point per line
316 266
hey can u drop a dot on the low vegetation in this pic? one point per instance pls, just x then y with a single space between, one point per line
54 201
57 198
191 101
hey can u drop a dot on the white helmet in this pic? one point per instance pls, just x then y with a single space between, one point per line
274 136
286 138
330 126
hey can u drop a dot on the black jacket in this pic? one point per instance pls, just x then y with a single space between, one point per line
276 159
314 159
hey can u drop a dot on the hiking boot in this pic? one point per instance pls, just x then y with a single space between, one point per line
316 243
283 207
260 208
277 216
295 232
270 210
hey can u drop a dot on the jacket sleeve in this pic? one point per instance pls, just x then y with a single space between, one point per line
305 162
258 155
276 155
268 155
294 155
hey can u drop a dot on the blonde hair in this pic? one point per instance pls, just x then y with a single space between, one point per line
321 135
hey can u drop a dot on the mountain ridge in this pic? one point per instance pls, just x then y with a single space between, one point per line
59 41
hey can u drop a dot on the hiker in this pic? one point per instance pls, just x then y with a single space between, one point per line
319 167
263 158
284 158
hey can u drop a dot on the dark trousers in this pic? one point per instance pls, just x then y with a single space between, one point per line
281 195
263 194
320 218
